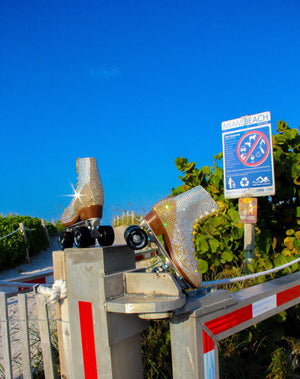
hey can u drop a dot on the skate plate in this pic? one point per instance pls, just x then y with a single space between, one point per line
90 223
84 234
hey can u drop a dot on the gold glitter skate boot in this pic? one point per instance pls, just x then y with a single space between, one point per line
88 200
174 218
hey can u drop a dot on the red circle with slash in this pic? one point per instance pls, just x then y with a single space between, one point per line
259 149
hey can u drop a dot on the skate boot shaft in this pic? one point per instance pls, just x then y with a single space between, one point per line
89 186
174 218
88 200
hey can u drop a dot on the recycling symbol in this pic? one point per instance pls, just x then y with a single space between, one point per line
244 182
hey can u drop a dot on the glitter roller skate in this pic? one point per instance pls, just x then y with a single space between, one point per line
81 218
174 218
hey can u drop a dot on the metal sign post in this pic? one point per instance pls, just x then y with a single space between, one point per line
248 215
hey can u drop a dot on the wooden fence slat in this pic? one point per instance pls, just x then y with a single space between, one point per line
5 336
50 372
24 332
62 317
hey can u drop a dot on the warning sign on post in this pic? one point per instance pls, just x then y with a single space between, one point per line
248 210
248 156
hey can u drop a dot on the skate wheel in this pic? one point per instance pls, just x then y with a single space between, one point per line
82 237
107 235
65 240
136 237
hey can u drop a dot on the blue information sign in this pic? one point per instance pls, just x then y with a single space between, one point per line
248 156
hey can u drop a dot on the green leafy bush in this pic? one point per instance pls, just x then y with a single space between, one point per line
52 230
156 350
13 247
59 227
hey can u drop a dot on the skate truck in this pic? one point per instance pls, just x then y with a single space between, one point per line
173 219
82 217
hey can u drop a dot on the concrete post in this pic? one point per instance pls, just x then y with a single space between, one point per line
93 342
194 351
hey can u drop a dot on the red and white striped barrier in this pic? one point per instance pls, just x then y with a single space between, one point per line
233 319
142 255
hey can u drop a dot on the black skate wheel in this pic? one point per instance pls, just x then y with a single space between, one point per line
65 240
107 235
130 227
136 237
82 237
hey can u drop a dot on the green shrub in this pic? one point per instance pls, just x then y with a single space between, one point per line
156 350
59 226
13 247
52 230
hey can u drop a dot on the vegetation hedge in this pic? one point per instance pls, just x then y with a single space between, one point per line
13 247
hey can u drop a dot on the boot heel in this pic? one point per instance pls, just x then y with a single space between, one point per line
93 211
155 224
158 228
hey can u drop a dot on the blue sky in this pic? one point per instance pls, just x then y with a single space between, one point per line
134 84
